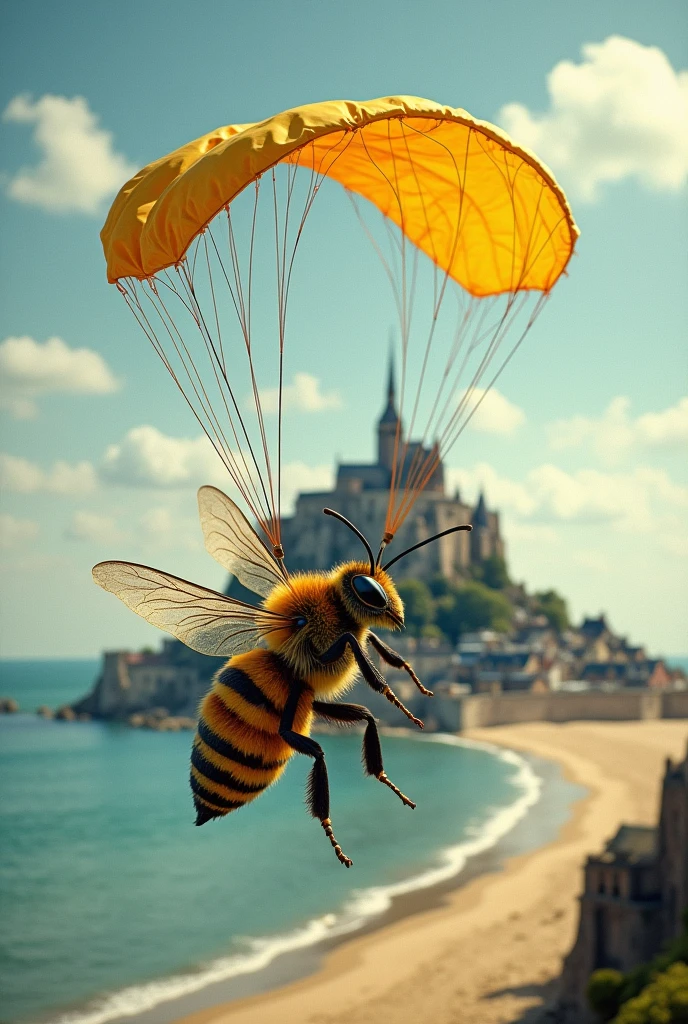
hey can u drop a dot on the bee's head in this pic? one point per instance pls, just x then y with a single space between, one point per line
370 597
366 590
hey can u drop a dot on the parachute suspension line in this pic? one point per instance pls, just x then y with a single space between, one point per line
422 468
397 512
482 322
401 297
134 302
195 285
262 516
244 481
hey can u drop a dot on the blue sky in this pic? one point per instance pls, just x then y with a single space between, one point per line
589 470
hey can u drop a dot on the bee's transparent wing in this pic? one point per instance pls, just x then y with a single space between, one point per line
204 620
232 541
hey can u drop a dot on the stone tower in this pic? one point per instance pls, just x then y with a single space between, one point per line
388 423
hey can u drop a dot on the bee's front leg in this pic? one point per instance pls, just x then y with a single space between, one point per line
368 671
396 661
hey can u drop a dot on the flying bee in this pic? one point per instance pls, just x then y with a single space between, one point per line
288 658
463 212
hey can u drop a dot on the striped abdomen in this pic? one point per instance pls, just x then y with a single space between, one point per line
237 750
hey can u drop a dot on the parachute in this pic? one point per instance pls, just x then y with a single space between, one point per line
451 206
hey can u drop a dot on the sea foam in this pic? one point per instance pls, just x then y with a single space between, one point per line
362 906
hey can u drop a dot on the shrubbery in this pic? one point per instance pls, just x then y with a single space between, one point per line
450 609
654 993
604 992
663 1001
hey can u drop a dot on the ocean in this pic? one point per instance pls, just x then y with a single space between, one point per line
114 904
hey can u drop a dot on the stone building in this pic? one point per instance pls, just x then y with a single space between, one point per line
361 492
634 894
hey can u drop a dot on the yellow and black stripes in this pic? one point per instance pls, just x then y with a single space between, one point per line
237 750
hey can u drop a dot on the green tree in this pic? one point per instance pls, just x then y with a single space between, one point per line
419 607
663 1001
439 585
493 572
553 607
604 992
470 607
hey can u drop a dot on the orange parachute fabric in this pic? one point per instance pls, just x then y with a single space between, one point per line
487 212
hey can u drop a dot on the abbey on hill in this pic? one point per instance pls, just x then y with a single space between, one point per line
315 541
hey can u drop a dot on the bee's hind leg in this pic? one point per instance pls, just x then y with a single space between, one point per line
318 784
349 714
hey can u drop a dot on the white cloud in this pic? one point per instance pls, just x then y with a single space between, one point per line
495 414
24 477
78 167
14 531
89 526
640 501
148 458
303 395
500 491
622 112
29 369
614 434
297 477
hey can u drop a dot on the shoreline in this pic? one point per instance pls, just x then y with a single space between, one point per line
275 961
491 943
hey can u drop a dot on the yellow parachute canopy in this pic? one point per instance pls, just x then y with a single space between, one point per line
487 212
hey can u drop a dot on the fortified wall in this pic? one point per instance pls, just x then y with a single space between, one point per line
480 711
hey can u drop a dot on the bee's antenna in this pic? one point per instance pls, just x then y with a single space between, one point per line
422 543
342 519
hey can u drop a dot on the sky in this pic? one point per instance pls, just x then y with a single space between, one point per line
583 447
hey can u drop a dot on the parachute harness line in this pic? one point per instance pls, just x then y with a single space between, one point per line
471 231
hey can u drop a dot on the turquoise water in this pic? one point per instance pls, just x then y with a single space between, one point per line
111 899
50 683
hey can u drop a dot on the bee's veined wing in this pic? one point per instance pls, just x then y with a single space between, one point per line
204 620
232 541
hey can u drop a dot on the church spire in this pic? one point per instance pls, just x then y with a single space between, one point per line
388 422
390 413
391 387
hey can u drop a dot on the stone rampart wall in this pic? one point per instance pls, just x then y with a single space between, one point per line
480 711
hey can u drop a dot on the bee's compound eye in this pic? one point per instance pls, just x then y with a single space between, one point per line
300 622
369 591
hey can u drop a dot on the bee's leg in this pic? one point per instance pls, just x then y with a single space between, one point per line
318 785
349 714
396 661
368 671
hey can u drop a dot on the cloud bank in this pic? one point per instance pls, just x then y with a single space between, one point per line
303 395
78 167
616 434
621 113
29 369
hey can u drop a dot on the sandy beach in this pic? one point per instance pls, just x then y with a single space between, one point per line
492 952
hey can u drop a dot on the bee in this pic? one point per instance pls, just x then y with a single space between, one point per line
288 658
